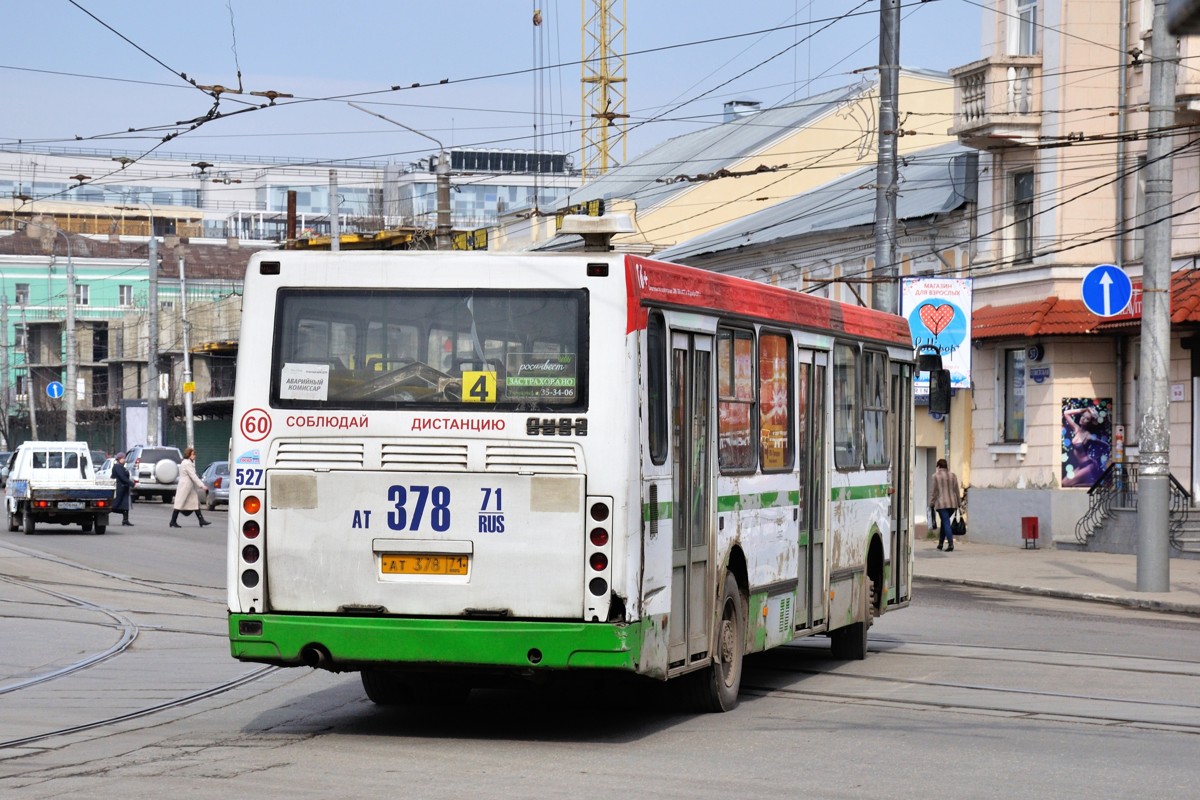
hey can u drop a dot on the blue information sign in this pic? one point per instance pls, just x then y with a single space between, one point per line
54 389
1106 290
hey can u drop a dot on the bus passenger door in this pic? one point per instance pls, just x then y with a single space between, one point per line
691 589
900 587
810 459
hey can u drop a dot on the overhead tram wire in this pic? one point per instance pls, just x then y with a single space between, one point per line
909 158
660 117
992 264
1108 180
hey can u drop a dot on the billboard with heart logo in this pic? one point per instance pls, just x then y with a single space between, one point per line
938 311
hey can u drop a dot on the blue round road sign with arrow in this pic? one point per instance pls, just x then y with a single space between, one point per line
54 389
1106 290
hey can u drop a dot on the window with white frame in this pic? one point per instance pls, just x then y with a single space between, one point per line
125 295
1022 215
1014 395
22 298
1026 20
20 333
82 294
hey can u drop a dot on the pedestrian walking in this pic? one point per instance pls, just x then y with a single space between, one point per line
124 488
945 496
187 494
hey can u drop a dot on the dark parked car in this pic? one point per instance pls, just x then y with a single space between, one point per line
216 480
155 471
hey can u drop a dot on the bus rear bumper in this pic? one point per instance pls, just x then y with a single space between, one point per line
352 643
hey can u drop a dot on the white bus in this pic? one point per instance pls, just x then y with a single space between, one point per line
451 465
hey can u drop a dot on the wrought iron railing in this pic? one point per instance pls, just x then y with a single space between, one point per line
1117 488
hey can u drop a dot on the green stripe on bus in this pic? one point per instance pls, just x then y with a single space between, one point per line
859 492
754 502
665 511
367 641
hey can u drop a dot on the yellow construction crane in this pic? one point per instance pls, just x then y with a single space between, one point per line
604 117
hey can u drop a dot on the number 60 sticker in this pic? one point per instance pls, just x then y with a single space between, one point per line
255 424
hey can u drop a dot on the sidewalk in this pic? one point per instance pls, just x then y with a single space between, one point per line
1103 577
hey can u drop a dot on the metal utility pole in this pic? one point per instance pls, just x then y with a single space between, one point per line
152 345
4 371
1154 433
884 289
29 393
335 233
442 235
188 387
72 379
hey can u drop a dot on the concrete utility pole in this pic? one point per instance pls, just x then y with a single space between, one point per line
152 345
884 290
335 233
188 389
4 370
1154 433
29 392
69 399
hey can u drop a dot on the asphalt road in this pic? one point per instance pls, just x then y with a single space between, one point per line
115 681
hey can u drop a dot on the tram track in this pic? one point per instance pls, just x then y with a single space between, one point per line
128 633
203 694
109 617
1169 712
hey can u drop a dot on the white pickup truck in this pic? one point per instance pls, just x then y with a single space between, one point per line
55 482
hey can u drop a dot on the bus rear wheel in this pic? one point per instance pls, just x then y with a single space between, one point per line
384 688
716 687
850 643
388 688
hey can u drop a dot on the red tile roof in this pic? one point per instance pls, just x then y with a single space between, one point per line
1055 316
1049 317
1185 296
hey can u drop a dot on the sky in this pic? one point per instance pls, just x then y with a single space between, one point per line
105 74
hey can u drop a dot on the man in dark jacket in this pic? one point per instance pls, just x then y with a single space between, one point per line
124 488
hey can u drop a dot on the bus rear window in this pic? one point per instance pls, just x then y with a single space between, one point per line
468 349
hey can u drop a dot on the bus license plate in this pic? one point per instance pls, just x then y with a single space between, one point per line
71 505
424 564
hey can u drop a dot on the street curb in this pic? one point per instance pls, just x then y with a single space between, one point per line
1144 604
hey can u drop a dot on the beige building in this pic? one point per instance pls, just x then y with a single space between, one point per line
1057 109
754 159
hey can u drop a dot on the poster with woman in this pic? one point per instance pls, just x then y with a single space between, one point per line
1086 439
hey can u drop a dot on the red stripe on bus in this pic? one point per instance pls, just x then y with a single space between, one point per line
658 283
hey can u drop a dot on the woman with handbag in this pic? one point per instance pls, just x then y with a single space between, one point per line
187 495
945 495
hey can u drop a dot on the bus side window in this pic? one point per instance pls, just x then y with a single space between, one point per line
775 444
736 437
875 411
656 387
847 408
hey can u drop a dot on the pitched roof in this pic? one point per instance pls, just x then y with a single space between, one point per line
1055 316
203 260
708 150
1049 317
932 181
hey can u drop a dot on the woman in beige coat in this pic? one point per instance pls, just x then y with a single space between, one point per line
945 497
187 493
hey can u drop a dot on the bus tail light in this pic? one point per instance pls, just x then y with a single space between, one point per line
251 547
598 552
